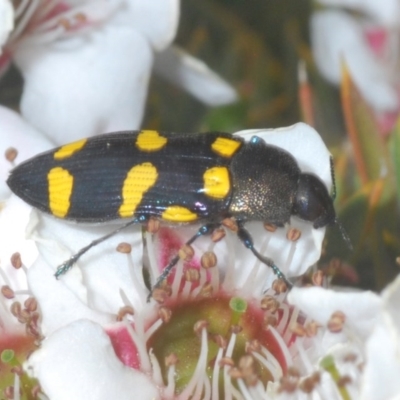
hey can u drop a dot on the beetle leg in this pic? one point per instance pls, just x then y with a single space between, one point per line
247 240
65 266
207 229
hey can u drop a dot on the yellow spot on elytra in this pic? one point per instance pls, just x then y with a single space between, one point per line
138 181
60 183
69 149
178 214
216 182
150 141
225 147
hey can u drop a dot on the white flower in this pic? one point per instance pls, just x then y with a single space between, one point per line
86 66
97 321
366 46
109 283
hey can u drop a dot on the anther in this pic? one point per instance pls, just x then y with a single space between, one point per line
124 248
186 252
293 234
125 311
7 292
218 234
164 314
16 261
208 260
270 227
11 154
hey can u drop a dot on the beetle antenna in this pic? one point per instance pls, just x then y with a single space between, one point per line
345 236
333 178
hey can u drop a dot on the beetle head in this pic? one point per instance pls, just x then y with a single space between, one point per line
313 202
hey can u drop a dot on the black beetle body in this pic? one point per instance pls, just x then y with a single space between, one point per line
178 178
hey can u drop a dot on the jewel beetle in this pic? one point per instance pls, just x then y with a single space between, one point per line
176 178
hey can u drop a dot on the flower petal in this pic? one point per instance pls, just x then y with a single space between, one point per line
82 87
384 11
360 308
107 281
78 362
348 44
194 76
157 20
16 133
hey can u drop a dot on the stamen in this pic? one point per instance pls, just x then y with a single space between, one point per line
7 292
20 8
140 346
137 282
165 314
156 369
45 9
229 279
228 387
282 345
151 252
169 391
198 375
271 358
268 365
284 320
33 5
17 387
124 312
186 290
303 356
177 279
151 329
23 292
292 322
292 250
215 374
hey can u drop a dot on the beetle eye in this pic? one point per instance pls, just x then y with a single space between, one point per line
313 202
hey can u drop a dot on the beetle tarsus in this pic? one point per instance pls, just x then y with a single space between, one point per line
64 267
